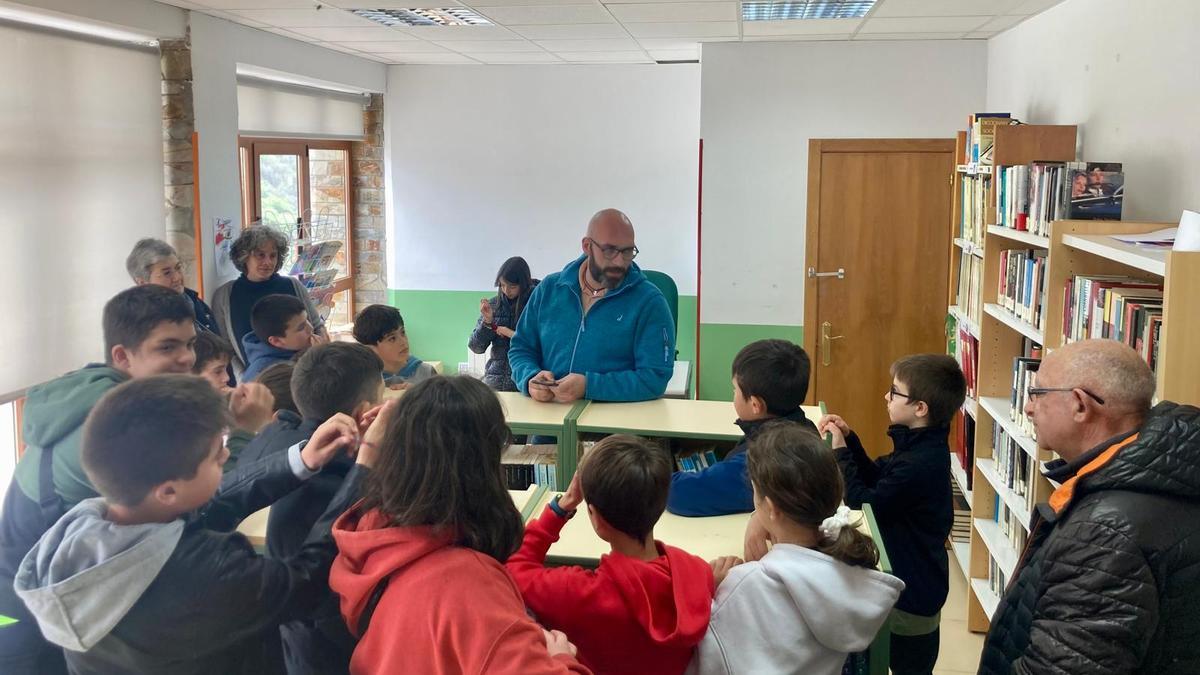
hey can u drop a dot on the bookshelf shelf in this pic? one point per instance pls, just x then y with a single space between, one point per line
1014 501
987 598
1000 411
966 321
1009 319
960 477
1104 246
961 552
1032 240
997 544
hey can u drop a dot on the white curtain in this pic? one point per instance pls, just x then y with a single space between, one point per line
277 109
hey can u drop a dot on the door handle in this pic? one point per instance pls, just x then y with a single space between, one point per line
813 273
826 341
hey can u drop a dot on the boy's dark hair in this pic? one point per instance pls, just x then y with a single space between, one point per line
774 370
210 347
375 322
439 466
626 479
148 431
131 315
796 469
935 379
334 378
278 378
270 316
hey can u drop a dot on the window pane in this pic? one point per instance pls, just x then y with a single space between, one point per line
329 179
342 312
279 191
8 446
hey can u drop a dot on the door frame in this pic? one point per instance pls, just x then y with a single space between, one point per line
817 146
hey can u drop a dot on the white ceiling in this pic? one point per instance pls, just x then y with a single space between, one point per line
600 31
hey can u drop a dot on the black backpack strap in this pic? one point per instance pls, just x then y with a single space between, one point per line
364 619
48 500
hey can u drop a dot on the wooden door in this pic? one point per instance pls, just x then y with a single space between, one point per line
879 210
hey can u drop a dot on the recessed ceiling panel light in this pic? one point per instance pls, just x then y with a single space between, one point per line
448 16
783 10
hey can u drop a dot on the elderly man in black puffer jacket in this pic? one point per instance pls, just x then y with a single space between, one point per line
1110 579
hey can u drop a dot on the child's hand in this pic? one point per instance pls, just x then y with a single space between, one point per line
317 339
485 310
505 332
252 405
557 643
721 567
573 497
755 544
836 427
337 434
399 386
374 424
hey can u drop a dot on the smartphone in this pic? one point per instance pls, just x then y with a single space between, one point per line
550 383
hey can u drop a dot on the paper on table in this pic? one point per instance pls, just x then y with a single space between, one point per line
1163 237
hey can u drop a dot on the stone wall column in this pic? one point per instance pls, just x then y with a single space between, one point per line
367 221
178 123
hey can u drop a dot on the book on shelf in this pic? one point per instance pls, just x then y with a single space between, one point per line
970 287
964 445
1017 469
997 579
960 530
1011 527
1024 370
972 225
1117 307
981 135
1021 288
1030 197
696 461
526 465
968 360
1096 191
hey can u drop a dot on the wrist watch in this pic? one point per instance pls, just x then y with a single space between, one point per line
560 511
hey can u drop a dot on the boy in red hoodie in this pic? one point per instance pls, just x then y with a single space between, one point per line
646 606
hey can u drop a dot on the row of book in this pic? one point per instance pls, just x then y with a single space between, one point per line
997 579
981 135
526 465
1029 197
970 287
1010 526
968 360
1024 370
963 445
972 224
1016 468
1021 288
1121 308
697 461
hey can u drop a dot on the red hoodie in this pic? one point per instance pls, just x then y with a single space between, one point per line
446 609
627 615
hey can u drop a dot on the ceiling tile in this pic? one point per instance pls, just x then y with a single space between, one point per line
1033 6
609 45
669 30
523 58
831 37
434 33
925 24
413 47
390 4
307 18
1000 23
289 34
643 2
675 54
430 59
230 16
253 4
477 4
890 8
670 44
583 31
366 34
489 46
908 36
800 27
547 15
405 43
676 11
978 35
605 57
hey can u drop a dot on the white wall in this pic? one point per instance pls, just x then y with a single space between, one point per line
487 162
760 105
218 46
1128 73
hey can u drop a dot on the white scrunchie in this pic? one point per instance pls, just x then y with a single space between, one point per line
831 527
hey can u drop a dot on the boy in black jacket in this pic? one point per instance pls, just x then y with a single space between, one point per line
909 491
339 378
139 580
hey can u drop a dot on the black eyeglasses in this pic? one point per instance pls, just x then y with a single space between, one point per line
893 393
610 252
1039 391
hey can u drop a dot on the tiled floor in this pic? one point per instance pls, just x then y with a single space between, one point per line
960 648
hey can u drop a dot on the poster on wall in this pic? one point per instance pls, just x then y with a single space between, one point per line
222 246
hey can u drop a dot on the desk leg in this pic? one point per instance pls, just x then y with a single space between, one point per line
568 445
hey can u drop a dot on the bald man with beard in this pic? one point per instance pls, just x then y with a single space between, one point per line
597 329
1108 582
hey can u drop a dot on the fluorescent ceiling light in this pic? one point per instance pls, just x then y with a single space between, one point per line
783 10
59 21
447 16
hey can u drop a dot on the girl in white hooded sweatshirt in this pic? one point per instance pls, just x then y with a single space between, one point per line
817 595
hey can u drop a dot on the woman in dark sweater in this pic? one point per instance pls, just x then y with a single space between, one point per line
498 318
154 261
258 254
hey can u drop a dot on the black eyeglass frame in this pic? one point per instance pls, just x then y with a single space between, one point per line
610 252
892 394
1040 391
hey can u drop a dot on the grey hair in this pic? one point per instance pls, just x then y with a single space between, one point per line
253 238
146 254
1112 370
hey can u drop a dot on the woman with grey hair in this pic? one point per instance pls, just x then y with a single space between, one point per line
154 261
258 254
